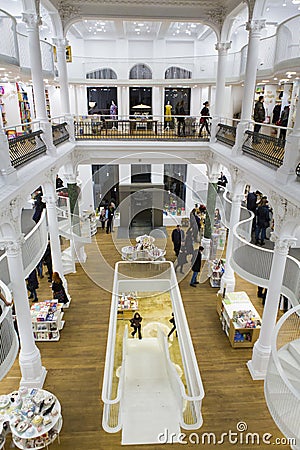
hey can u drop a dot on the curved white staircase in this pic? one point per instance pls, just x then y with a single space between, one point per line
282 382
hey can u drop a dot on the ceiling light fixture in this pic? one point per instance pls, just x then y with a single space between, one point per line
296 2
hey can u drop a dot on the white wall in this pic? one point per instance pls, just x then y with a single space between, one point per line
87 196
10 100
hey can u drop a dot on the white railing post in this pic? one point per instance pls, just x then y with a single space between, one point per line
262 347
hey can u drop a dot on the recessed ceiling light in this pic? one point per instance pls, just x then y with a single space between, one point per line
193 25
275 79
268 9
140 24
2 68
136 29
283 4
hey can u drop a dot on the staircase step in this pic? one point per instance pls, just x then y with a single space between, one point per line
294 349
289 363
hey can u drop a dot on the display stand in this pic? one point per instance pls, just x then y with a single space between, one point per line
144 250
32 416
127 305
240 320
91 215
217 270
47 320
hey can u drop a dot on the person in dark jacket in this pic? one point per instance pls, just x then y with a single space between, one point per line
259 116
177 238
262 221
32 285
179 110
47 259
58 289
172 321
196 260
284 122
135 323
205 115
189 245
276 113
252 205
181 260
59 182
39 205
109 218
194 224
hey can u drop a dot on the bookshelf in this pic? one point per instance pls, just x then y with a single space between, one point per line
24 108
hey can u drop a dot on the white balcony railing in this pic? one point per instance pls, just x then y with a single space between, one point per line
282 384
35 245
8 336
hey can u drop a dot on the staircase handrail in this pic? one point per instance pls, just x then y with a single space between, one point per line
274 352
109 367
173 375
35 256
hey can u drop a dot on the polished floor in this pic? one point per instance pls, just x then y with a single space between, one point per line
75 364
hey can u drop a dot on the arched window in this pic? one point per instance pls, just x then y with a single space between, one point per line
102 74
140 72
177 72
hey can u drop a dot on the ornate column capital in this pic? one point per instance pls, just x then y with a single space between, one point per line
70 178
31 19
12 247
60 42
223 47
255 26
282 243
213 177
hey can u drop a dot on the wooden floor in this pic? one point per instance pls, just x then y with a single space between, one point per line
75 364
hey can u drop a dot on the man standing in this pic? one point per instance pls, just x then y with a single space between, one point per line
259 116
177 238
196 266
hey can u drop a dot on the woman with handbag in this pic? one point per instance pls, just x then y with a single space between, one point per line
58 289
204 119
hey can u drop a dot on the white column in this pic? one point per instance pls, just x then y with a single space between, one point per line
262 348
255 28
157 173
291 152
124 174
157 105
125 102
228 279
210 211
222 48
33 21
63 74
33 373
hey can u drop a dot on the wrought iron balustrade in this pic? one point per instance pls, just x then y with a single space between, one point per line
24 148
226 134
268 149
137 129
60 133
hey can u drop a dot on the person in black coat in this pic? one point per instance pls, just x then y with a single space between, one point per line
205 115
39 205
189 244
177 238
181 260
196 260
180 120
262 221
32 285
135 323
252 205
109 218
58 289
47 259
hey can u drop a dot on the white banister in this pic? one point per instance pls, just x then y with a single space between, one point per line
282 388
35 245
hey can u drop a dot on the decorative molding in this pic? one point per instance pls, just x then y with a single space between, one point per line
11 214
217 15
12 247
67 11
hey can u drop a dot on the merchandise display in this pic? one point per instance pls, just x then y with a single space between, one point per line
47 320
2 106
217 270
33 416
24 107
240 320
143 250
127 303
